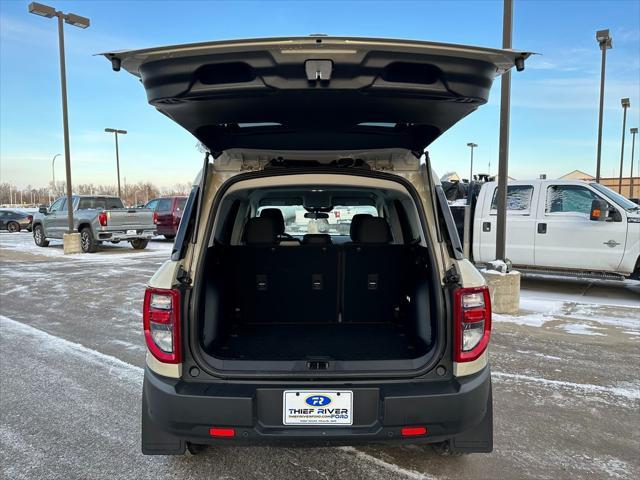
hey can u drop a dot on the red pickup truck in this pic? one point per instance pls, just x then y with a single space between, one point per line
168 213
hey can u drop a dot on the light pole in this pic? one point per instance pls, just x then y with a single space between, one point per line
605 42
53 173
116 132
471 145
76 21
633 146
625 104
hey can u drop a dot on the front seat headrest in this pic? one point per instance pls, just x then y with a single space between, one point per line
370 230
276 215
260 231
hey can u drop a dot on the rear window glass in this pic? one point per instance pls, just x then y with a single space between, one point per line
164 204
337 223
100 203
518 198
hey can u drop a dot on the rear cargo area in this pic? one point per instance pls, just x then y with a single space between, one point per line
317 303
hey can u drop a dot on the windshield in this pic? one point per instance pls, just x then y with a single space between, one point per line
615 197
337 223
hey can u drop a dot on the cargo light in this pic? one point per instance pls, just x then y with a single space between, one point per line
161 320
102 218
472 323
222 432
413 431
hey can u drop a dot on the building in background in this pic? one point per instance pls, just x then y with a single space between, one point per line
611 182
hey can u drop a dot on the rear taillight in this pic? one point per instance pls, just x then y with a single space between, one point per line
102 218
155 218
161 319
472 323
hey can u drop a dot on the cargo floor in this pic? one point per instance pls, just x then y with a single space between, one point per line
335 341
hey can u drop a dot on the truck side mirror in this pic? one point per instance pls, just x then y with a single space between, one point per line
599 210
43 209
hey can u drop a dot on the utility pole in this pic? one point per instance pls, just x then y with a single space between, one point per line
471 145
605 42
503 155
633 131
116 132
625 104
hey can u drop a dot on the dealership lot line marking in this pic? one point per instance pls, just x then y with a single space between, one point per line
132 373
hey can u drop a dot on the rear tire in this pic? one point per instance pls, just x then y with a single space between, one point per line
169 237
38 236
13 227
139 243
87 242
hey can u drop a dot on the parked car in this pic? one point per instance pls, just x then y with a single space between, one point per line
14 221
98 218
169 213
570 227
260 334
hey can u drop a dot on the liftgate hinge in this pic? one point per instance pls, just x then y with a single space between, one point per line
451 276
183 277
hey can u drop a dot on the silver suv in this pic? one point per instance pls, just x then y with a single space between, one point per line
317 292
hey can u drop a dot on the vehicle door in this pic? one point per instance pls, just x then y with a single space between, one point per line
53 221
521 199
3 219
567 238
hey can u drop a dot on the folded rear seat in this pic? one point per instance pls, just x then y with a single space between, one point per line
375 272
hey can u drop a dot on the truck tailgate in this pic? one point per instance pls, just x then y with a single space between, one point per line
130 217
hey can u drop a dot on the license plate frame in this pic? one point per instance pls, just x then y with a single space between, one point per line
310 408
132 232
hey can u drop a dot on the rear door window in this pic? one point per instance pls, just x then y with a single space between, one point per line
518 199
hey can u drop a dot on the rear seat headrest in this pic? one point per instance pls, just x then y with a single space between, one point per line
260 231
368 229
276 215
317 239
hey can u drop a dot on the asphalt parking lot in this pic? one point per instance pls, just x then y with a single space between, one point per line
566 383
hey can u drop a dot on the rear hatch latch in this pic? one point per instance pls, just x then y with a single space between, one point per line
318 70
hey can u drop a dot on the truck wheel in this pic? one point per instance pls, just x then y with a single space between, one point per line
139 243
13 227
169 237
38 236
87 242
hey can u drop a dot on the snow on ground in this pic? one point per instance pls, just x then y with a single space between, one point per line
578 314
23 242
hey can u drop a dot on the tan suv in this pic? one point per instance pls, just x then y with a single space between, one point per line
317 292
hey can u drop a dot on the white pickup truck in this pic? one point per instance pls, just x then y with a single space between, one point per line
565 226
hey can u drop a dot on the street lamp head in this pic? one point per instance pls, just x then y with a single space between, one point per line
634 130
604 39
472 145
42 10
625 102
76 20
114 130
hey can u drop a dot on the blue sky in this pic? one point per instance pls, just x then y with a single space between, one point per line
554 102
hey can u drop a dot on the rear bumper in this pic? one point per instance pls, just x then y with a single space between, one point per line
118 235
186 411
